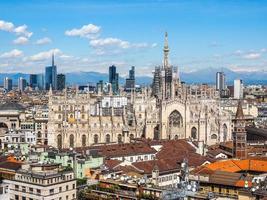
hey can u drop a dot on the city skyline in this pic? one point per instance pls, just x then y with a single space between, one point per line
92 36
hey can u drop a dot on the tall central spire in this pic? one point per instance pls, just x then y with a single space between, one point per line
166 52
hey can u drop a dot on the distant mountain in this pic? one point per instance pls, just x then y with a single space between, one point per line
206 75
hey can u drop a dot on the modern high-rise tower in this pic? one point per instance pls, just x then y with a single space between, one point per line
51 76
61 81
8 84
238 89
114 79
22 83
130 82
220 83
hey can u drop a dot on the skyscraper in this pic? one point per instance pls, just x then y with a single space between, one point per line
130 82
238 89
114 79
61 81
51 76
220 83
22 83
37 81
8 84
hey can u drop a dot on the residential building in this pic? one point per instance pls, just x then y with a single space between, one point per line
42 181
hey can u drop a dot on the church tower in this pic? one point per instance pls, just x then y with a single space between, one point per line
239 134
166 52
167 71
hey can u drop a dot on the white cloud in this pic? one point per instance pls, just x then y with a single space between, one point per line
84 31
20 30
15 53
21 40
6 26
109 42
43 41
252 56
44 55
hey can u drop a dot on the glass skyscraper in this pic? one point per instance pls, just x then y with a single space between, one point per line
51 76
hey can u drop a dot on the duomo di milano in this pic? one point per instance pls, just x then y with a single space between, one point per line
169 109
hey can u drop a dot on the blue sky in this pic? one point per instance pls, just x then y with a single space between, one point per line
91 35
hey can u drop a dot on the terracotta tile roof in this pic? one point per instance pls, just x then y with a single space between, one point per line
163 165
112 163
120 150
13 166
239 165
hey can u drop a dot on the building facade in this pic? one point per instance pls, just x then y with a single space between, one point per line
168 110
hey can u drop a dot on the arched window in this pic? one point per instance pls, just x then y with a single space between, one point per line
59 116
225 132
95 138
213 137
83 140
72 140
176 137
59 142
39 134
59 108
194 133
119 138
107 138
175 119
131 136
156 133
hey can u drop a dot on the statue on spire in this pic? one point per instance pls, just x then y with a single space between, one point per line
166 52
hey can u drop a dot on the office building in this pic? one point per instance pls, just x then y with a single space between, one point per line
238 89
22 83
42 181
220 83
8 84
37 81
51 76
130 82
114 79
61 81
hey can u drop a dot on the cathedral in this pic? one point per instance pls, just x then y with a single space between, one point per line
169 109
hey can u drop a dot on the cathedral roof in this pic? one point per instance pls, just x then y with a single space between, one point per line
11 106
239 111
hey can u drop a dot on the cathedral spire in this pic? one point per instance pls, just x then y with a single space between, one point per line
166 52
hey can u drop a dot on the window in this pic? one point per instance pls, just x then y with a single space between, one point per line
23 198
31 190
67 187
60 189
16 197
16 187
67 197
51 191
23 189
38 191
73 186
